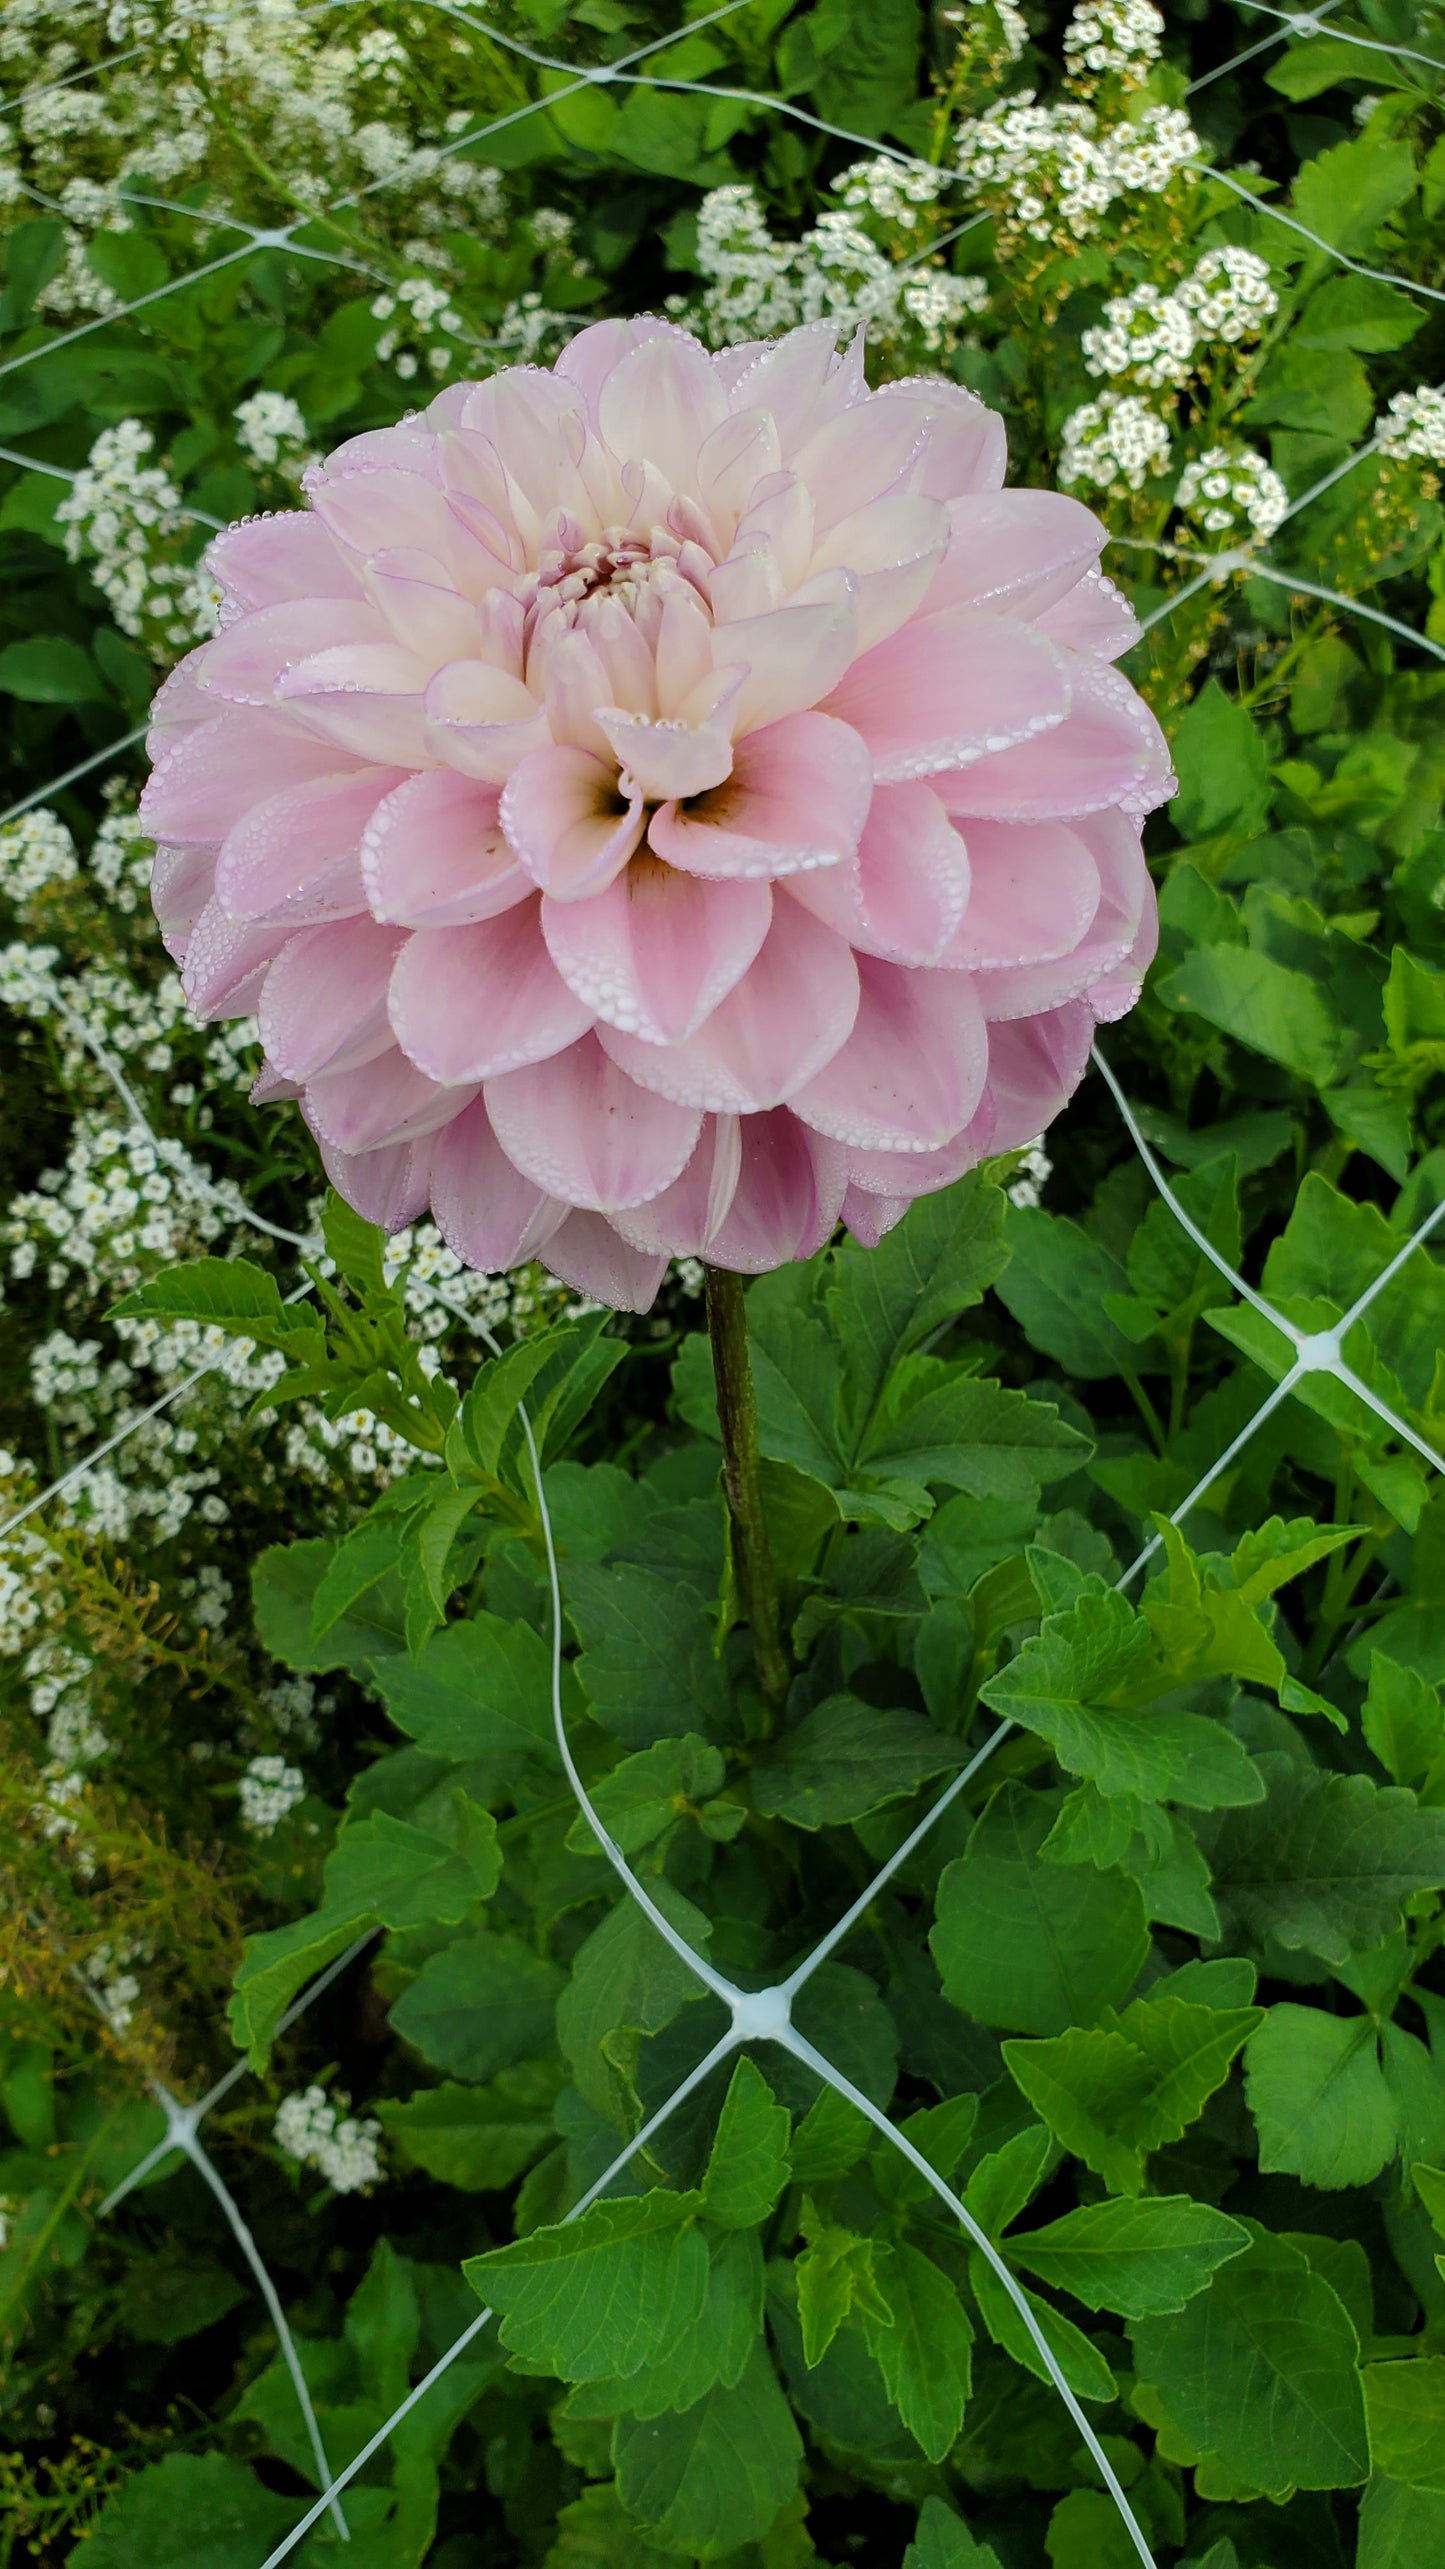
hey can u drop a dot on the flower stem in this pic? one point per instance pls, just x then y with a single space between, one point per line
738 1417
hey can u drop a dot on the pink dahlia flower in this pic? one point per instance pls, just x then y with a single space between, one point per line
662 806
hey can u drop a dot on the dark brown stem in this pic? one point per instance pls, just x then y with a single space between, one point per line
738 1417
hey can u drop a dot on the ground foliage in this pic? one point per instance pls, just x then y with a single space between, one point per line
1161 1995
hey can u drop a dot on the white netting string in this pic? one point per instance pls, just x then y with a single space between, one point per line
758 2015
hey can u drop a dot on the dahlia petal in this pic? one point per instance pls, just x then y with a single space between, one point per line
790 659
481 720
524 412
906 891
401 506
183 880
670 758
483 1207
591 358
1035 893
324 1002
468 1003
226 961
434 854
380 1102
579 1128
1016 552
797 798
574 684
684 651
246 660
389 1187
657 950
967 447
800 380
1109 750
787 1016
1126 911
419 602
907 1174
287 845
405 444
870 1218
660 401
590 1256
684 1220
288 555
731 462
1034 1066
894 548
571 823
367 696
911 1073
207 780
1094 617
780 524
949 689
861 457
790 1190
179 703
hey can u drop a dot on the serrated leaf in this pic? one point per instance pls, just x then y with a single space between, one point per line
1138 2257
717 2475
1028 1946
186 2508
1326 1861
943 2541
273 1968
1113 2092
1403 1718
715 2352
383 1868
477 2138
1320 2101
626 1981
1081 2364
924 2350
648 1666
356 1563
747 2166
1262 2370
223 1293
1405 2407
1007 2178
834 2275
937 1263
284 1582
650 1792
846 1758
601 2295
478 1687
480 2004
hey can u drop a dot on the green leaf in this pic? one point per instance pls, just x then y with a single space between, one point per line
717 2475
1355 312
1304 70
846 1758
1319 2098
1028 1945
747 2166
1140 2258
1405 2406
1346 194
938 1262
943 2541
274 1967
1007 2178
188 2508
1056 1284
1326 1861
361 1558
626 1981
1114 2092
480 2004
650 1792
1262 1004
1403 1719
1088 1685
50 669
1262 2370
356 1247
223 1293
383 1868
478 1687
924 2349
1400 2527
648 1667
602 2295
1222 765
939 1423
1081 2364
34 252
478 2138
284 1581
490 1407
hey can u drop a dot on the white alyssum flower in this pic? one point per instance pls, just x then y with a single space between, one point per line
1113 35
1057 173
1228 488
321 2134
1144 333
271 429
126 519
269 1789
1414 425
114 1988
758 285
35 850
1031 1177
1230 295
1113 443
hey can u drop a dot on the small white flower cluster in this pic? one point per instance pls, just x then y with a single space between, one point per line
125 518
1054 175
60 1696
118 1196
269 1789
320 2134
1414 425
530 333
1113 443
1113 35
271 429
35 850
429 322
1153 335
114 1988
1230 487
121 858
292 1705
1032 1175
759 285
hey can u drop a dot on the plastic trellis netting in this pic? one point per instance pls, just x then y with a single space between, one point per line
758 2016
